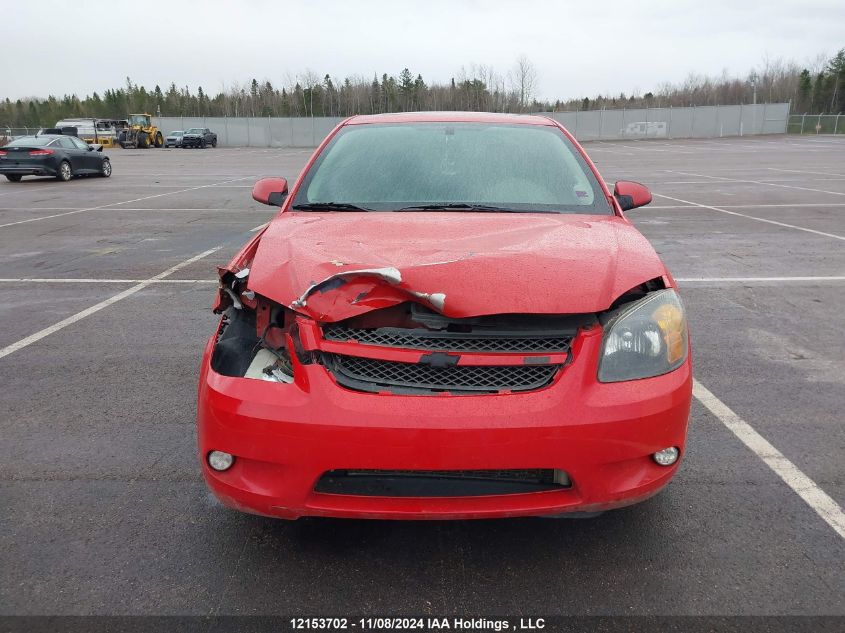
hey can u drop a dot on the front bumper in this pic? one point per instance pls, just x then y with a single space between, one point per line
285 436
191 142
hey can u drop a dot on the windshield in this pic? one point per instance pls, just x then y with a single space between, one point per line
195 130
176 133
31 141
385 167
138 119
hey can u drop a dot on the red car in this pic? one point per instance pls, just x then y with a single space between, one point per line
449 318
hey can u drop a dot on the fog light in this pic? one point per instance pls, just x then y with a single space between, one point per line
221 461
667 456
562 478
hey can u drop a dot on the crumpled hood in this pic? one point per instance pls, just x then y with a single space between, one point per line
332 266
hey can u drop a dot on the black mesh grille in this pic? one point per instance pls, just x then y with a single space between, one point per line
532 475
369 374
512 342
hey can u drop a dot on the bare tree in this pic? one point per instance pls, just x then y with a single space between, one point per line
310 81
523 79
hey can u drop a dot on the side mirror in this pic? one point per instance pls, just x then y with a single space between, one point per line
631 195
272 191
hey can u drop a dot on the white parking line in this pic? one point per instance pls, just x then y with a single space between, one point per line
801 171
744 206
823 142
63 280
114 204
212 209
264 208
756 182
688 280
800 483
182 174
665 206
751 217
769 181
783 205
33 338
10 190
683 280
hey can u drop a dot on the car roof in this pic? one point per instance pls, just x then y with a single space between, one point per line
455 117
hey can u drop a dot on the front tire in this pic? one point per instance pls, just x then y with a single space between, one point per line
13 177
143 140
65 172
105 168
202 144
159 140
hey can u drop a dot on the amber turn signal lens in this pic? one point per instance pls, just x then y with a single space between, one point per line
670 320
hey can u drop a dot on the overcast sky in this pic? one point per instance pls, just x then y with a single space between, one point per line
579 47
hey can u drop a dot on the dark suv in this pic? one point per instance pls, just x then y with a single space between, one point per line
199 137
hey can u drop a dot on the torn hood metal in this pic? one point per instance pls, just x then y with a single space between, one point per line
332 266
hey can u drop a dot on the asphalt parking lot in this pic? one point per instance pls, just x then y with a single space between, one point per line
105 294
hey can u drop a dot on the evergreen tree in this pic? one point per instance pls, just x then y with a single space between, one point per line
836 69
805 88
406 88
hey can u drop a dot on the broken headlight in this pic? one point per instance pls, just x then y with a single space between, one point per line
250 348
270 365
644 338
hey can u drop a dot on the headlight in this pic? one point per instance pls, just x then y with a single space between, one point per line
645 338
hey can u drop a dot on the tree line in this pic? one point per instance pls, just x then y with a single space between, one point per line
816 89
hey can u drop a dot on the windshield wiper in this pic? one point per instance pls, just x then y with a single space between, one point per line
459 206
328 206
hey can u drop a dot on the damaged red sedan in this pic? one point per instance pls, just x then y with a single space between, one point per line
449 318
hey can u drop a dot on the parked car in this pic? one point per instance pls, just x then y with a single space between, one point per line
55 155
199 137
174 139
450 317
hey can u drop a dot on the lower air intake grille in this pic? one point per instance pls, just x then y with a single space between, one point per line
370 374
440 483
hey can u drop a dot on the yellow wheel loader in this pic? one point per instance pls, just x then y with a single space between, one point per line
140 133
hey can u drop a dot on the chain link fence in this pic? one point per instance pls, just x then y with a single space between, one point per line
11 133
816 124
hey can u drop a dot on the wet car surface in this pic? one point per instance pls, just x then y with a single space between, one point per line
444 335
